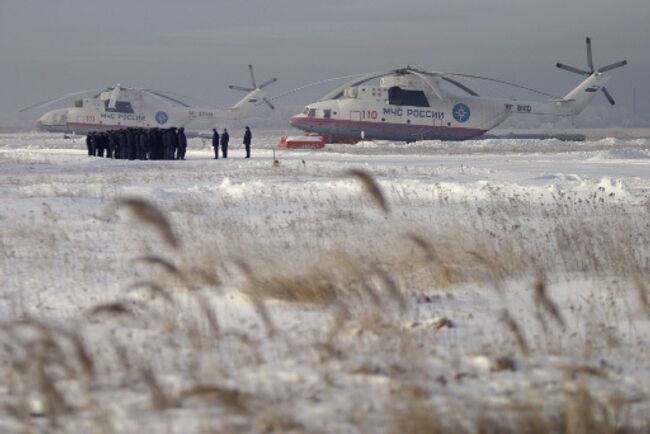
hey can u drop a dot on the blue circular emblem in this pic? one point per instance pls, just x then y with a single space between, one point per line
162 118
461 112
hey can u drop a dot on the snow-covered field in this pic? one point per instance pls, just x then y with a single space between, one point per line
505 289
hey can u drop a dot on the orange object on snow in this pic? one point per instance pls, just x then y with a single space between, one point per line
302 142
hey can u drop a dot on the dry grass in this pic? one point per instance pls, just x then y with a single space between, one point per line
371 187
367 302
149 214
316 289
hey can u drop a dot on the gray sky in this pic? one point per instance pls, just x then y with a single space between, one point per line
198 47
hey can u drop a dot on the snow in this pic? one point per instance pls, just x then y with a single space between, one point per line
499 216
622 154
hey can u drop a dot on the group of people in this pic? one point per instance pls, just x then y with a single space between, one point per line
138 144
154 143
225 138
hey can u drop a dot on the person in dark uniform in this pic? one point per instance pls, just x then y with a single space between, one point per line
155 144
225 138
99 144
122 143
174 144
136 143
166 144
147 150
248 136
111 144
95 144
131 147
215 143
89 144
182 143
143 143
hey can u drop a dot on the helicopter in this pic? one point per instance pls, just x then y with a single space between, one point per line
411 104
120 107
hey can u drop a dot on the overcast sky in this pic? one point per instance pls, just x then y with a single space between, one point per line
198 47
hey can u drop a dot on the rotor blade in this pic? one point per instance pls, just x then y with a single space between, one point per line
159 94
590 60
571 69
431 86
245 89
250 69
268 82
55 100
336 93
608 96
459 85
316 83
115 94
495 80
613 66
268 103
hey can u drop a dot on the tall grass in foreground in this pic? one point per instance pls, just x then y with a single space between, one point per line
370 343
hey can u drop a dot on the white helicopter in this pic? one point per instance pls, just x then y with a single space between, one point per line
122 107
410 104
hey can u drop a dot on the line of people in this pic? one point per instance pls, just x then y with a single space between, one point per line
154 143
138 144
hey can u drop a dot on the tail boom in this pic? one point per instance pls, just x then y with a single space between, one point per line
571 104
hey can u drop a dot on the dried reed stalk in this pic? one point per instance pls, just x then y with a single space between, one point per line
147 213
371 187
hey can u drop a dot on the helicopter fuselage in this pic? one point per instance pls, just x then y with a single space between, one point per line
402 107
125 108
453 119
95 115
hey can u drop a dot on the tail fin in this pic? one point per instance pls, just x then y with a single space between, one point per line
576 100
254 98
587 86
244 106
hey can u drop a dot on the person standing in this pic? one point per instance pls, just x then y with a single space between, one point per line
225 138
156 144
215 143
89 144
111 144
99 144
182 143
122 145
166 143
131 144
143 144
247 142
173 136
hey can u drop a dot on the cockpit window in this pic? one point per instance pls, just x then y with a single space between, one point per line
305 111
327 113
312 113
399 96
120 107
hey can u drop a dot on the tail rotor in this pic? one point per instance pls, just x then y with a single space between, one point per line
592 70
255 92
